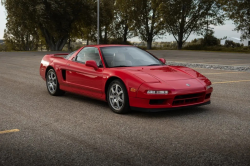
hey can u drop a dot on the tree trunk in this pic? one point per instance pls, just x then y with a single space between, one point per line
27 43
149 44
182 24
100 36
41 46
179 45
180 38
50 40
125 35
58 46
106 35
69 48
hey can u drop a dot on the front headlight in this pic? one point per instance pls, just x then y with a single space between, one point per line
158 92
209 86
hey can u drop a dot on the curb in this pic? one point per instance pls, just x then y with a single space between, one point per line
209 66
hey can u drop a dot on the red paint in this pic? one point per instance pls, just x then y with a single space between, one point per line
89 80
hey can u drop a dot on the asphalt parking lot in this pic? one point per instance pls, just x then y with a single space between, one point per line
39 129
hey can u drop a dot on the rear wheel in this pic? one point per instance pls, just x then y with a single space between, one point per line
52 83
117 97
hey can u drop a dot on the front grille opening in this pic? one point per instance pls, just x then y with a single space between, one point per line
189 96
188 99
208 96
157 101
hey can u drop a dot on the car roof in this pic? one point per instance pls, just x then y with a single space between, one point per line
109 45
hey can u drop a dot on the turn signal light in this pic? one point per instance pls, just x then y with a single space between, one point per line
208 87
132 89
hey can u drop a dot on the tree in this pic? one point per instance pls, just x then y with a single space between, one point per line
54 18
183 17
19 33
148 21
106 19
123 22
239 12
17 38
210 39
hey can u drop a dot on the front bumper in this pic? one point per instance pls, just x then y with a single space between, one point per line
180 99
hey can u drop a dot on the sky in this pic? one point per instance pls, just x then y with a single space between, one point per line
2 20
220 31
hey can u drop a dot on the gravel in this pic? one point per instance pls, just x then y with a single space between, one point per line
209 66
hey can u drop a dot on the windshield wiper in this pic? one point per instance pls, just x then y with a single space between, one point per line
154 65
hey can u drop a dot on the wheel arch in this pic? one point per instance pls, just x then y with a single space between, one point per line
47 69
110 79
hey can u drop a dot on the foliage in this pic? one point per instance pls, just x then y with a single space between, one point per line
54 18
82 29
183 17
123 23
106 19
239 12
3 47
210 40
119 41
20 34
230 43
148 22
52 23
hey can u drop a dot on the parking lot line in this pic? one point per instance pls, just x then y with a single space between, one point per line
9 131
231 82
223 73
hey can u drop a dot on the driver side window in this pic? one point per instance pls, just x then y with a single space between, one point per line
89 53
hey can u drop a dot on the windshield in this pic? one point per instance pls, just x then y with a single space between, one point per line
126 56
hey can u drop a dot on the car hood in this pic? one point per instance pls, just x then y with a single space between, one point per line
162 73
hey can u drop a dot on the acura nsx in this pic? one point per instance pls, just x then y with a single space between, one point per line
126 77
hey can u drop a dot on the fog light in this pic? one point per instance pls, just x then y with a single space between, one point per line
160 92
150 92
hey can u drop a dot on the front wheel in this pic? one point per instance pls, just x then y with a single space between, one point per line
52 84
117 97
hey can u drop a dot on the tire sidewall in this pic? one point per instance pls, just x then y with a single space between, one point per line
125 107
57 85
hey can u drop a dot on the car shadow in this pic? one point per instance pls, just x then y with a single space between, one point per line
81 98
171 113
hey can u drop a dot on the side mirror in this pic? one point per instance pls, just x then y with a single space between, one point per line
163 60
91 63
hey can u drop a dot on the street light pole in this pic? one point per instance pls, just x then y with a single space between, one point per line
98 3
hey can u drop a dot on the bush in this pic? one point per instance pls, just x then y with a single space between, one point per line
119 41
3 47
230 43
210 40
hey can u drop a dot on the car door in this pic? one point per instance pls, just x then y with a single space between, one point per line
86 79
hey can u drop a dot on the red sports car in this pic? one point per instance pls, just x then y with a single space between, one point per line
126 77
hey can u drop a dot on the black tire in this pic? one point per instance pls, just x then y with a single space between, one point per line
118 100
52 84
